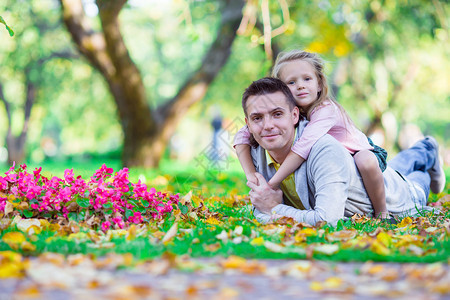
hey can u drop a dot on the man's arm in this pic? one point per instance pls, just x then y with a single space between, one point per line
328 173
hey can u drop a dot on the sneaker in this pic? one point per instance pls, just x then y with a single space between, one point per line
436 172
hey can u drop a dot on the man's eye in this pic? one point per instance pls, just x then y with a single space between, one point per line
255 119
278 114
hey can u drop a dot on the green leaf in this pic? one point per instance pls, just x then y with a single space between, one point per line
107 205
11 32
73 216
108 211
128 213
183 208
83 202
27 213
134 202
145 203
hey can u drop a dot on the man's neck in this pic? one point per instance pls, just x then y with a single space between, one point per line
280 155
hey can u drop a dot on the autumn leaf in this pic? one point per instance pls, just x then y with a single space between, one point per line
405 222
171 233
342 235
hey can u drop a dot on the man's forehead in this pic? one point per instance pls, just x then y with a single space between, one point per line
267 102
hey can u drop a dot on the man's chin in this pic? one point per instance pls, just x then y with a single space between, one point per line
269 145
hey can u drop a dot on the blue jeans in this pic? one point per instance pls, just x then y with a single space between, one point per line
413 164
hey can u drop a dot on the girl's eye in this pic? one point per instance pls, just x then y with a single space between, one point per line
308 78
291 82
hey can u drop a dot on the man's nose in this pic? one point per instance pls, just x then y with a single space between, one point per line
268 123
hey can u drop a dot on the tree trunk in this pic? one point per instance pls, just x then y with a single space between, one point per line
16 144
146 132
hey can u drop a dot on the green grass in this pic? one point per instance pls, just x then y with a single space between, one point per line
213 187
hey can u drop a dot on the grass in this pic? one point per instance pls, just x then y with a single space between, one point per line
226 227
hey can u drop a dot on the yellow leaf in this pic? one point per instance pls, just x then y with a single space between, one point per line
308 231
131 234
29 292
379 248
14 238
197 200
316 286
27 246
405 222
11 270
259 241
44 223
333 282
10 256
385 239
233 262
213 221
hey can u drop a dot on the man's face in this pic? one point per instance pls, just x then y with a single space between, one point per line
271 121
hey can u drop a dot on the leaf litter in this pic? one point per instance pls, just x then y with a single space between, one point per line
217 239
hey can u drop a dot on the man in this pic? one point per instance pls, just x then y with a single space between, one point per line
327 187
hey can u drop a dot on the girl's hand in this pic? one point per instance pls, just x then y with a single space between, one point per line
274 185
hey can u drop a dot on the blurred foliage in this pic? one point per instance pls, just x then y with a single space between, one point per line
387 60
10 31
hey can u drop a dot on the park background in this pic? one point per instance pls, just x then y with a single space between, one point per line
139 83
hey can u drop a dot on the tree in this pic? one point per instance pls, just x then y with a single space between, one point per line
23 69
146 131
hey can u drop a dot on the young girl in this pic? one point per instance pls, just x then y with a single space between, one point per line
303 73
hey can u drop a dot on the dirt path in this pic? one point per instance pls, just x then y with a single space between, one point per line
80 277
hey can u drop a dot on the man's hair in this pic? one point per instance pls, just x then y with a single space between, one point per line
264 86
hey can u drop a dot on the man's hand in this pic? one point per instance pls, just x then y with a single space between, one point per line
262 196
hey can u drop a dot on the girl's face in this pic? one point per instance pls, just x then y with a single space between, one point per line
300 77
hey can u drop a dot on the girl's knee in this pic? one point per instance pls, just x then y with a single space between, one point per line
366 161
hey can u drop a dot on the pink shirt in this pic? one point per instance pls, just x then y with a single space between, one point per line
326 118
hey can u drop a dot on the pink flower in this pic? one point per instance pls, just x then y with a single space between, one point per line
106 225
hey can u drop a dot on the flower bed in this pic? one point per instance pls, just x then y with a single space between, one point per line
105 200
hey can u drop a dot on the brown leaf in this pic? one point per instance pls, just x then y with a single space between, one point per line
171 233
342 235
9 208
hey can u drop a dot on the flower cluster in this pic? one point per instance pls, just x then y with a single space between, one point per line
112 198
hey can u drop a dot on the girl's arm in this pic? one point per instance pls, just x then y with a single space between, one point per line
292 162
322 119
242 147
245 158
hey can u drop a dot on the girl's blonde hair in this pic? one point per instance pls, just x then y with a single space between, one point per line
318 64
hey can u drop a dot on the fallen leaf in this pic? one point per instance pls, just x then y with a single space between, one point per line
171 233
327 249
342 235
273 247
14 238
233 262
